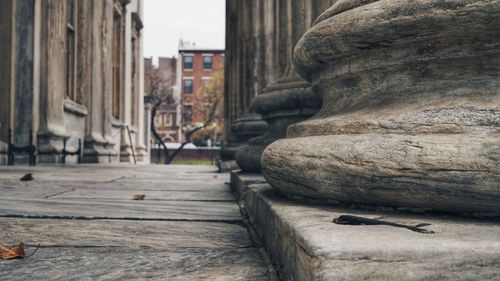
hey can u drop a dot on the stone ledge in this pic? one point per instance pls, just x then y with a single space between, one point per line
75 108
304 244
241 180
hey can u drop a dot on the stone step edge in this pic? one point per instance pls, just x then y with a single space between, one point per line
298 258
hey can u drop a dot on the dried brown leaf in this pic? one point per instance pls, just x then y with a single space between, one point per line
16 252
27 177
139 197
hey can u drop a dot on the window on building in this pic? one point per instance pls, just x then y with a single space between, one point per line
188 62
157 121
188 86
206 82
167 120
207 62
71 50
188 113
117 61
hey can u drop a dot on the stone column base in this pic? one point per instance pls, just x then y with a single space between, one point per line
280 108
141 154
3 153
49 148
99 151
248 126
411 108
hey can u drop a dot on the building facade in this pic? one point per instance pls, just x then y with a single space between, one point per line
195 69
167 119
72 71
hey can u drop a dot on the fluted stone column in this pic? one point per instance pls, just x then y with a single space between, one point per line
286 98
141 146
244 70
52 91
411 107
95 143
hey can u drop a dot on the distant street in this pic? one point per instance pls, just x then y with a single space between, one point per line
188 227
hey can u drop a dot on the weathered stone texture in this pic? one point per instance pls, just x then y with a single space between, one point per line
196 239
411 107
304 243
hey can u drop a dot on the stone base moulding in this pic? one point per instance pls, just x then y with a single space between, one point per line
248 126
99 151
280 106
411 108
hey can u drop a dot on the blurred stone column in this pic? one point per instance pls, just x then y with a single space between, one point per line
411 108
142 147
53 70
286 98
5 74
95 145
243 74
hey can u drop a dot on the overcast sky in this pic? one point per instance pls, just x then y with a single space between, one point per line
167 21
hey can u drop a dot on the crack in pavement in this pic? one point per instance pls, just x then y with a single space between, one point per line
116 179
145 200
59 193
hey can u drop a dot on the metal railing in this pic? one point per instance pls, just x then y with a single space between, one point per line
199 156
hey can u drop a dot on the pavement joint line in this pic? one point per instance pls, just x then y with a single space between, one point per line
59 193
229 221
145 200
255 239
134 246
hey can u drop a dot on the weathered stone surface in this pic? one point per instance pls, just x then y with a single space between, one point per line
113 209
304 243
119 263
411 107
240 182
119 233
89 229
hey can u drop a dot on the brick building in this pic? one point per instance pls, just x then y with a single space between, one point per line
195 67
168 117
